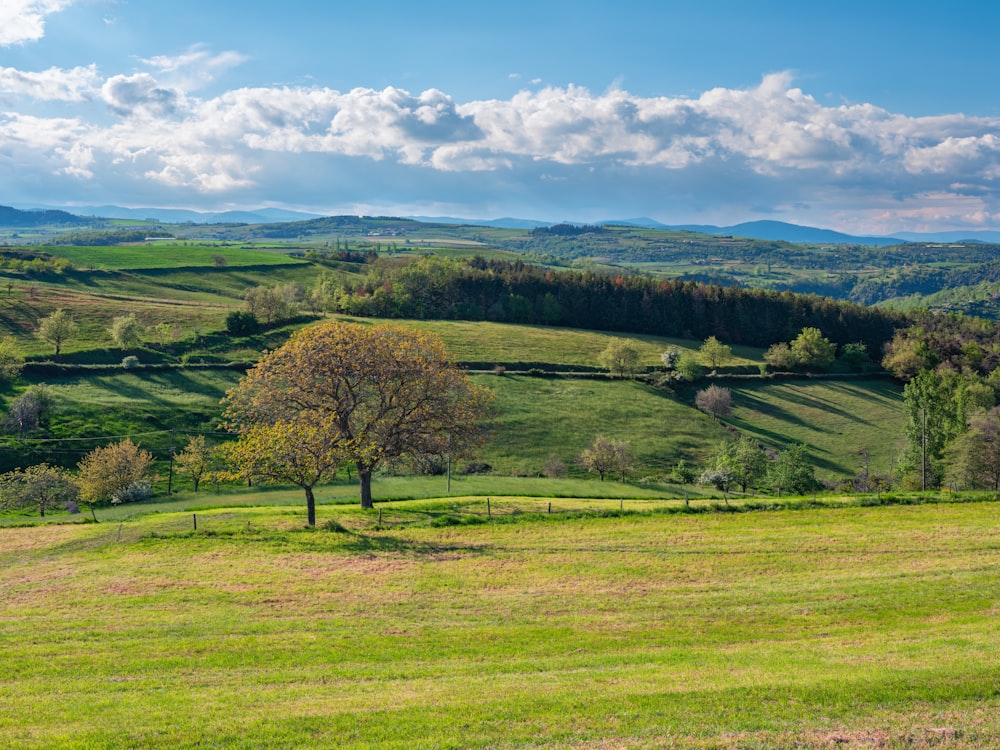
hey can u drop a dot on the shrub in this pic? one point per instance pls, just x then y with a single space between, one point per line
135 492
242 323
477 467
130 362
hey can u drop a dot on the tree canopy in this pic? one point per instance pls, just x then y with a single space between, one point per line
368 394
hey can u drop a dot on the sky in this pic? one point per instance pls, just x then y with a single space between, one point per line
866 117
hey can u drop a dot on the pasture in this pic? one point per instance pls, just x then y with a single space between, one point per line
151 255
852 627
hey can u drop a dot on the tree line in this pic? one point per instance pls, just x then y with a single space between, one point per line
517 292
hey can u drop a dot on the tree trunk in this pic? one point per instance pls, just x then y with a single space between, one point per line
365 481
310 505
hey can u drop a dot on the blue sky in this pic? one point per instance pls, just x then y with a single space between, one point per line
868 117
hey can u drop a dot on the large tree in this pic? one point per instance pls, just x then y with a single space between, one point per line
374 392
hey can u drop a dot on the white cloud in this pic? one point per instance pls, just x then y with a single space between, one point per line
24 20
195 68
139 94
54 84
768 148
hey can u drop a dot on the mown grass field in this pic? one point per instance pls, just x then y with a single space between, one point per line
833 628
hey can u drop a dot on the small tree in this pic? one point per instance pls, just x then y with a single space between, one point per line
164 333
555 467
718 477
295 452
792 472
714 353
811 349
855 355
29 411
126 331
974 457
109 473
745 459
11 359
57 329
604 456
682 473
688 366
195 460
42 486
241 323
670 357
779 357
715 400
621 358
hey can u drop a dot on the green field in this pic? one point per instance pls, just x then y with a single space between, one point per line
164 255
835 419
483 341
837 628
539 417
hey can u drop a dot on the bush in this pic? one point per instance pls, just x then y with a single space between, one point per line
138 490
477 467
130 362
242 323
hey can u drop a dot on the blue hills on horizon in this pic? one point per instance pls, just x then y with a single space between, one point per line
761 230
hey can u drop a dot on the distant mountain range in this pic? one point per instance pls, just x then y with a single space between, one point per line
11 217
183 216
762 230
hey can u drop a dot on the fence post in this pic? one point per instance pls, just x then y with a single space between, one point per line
119 532
194 517
489 510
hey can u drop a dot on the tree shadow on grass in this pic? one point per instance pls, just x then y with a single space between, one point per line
382 543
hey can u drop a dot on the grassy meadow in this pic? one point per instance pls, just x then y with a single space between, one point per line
837 419
854 627
150 255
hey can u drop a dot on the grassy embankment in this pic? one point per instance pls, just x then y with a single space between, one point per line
834 628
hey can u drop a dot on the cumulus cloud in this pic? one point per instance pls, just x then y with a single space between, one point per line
24 20
139 94
770 146
54 84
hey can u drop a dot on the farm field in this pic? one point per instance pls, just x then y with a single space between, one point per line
851 627
836 419
542 417
165 255
483 341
